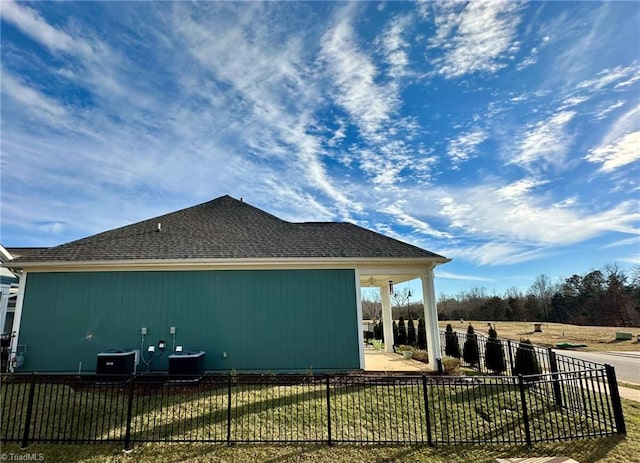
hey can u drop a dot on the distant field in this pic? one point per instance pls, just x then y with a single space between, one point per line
597 338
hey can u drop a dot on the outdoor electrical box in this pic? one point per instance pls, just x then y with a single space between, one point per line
116 362
187 363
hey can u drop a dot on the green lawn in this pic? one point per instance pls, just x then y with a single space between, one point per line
186 414
603 450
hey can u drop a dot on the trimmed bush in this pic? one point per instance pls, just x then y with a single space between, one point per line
526 359
494 358
470 352
452 346
451 366
422 334
402 332
380 331
411 333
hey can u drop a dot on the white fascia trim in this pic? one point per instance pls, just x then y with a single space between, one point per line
228 264
4 254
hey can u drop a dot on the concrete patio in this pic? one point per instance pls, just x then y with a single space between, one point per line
378 360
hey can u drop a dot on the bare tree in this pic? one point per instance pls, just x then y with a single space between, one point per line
371 305
542 289
401 301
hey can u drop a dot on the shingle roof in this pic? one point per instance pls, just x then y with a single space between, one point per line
24 252
226 228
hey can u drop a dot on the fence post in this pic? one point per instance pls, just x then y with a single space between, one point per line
27 423
329 441
553 366
615 399
127 436
426 409
229 412
513 367
525 414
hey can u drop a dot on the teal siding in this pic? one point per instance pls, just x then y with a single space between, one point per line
265 320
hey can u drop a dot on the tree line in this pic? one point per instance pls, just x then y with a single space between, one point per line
608 296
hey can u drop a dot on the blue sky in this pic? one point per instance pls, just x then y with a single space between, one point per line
503 135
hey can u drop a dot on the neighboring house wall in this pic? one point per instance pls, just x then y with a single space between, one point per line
265 320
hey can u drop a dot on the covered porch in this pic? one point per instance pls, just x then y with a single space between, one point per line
384 279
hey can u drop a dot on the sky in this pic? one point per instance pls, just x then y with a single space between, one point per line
503 135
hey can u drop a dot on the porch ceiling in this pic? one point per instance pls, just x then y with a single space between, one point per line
380 279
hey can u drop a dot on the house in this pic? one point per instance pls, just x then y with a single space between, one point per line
8 296
9 287
255 292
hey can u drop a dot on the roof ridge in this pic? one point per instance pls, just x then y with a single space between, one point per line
96 237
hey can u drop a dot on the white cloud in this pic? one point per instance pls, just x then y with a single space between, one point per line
278 96
517 223
633 260
626 123
632 80
518 190
497 254
32 24
573 101
354 73
32 100
54 228
607 77
626 242
384 149
464 146
418 226
532 58
474 37
534 55
108 153
621 152
100 69
602 114
579 38
545 142
339 134
384 168
456 276
394 46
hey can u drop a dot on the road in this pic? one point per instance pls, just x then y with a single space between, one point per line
627 364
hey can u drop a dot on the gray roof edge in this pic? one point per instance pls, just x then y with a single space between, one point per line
380 235
345 262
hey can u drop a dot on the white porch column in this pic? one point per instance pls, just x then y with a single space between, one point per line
431 320
359 315
4 302
17 317
387 319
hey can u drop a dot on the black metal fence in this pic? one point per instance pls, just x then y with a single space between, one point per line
327 409
548 360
